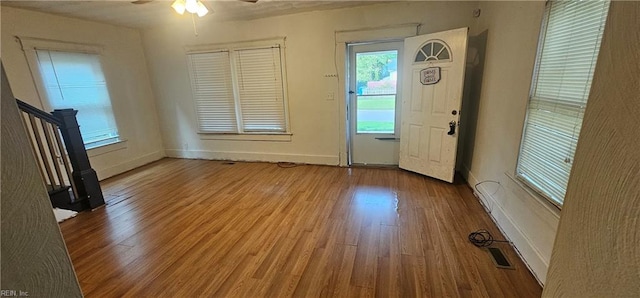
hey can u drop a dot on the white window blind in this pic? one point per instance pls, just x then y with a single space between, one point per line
213 91
239 90
76 81
564 69
260 89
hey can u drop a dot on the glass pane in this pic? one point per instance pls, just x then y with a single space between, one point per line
376 114
76 81
428 50
376 82
437 47
444 55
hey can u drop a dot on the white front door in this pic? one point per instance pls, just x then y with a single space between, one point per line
432 85
374 102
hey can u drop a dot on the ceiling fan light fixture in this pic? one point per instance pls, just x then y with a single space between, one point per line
191 6
201 10
179 6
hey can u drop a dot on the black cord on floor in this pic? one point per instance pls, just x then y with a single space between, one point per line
482 238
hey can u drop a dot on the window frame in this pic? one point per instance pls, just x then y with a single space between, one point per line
529 185
30 46
232 47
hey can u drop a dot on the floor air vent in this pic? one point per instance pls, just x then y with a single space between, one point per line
499 259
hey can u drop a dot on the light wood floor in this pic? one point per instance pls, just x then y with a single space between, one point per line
183 228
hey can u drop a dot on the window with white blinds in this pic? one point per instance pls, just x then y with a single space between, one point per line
565 63
239 90
75 81
213 91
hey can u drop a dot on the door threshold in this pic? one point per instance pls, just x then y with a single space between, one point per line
374 166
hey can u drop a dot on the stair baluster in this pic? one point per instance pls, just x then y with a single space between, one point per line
64 162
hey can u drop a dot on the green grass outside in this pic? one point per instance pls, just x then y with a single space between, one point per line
375 127
376 103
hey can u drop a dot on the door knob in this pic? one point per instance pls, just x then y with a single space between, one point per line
452 128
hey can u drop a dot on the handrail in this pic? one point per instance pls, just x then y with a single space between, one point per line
46 134
25 107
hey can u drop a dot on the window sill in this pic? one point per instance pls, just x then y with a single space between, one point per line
544 201
280 137
106 148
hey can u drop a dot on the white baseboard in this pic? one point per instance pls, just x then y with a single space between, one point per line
129 165
527 251
254 156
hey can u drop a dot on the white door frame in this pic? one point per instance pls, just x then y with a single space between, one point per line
342 38
385 147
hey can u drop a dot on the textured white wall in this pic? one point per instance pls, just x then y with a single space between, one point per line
495 112
310 54
125 72
597 251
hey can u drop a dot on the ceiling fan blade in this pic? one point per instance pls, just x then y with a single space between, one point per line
141 1
250 1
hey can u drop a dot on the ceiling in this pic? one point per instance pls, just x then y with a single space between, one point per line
159 12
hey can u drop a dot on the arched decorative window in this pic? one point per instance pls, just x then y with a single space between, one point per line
433 50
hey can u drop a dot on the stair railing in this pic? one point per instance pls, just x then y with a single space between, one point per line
63 161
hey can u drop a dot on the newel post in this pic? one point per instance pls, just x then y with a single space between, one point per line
84 176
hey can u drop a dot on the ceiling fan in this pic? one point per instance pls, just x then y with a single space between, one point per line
147 1
192 6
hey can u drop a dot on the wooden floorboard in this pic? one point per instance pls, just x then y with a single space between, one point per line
183 228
